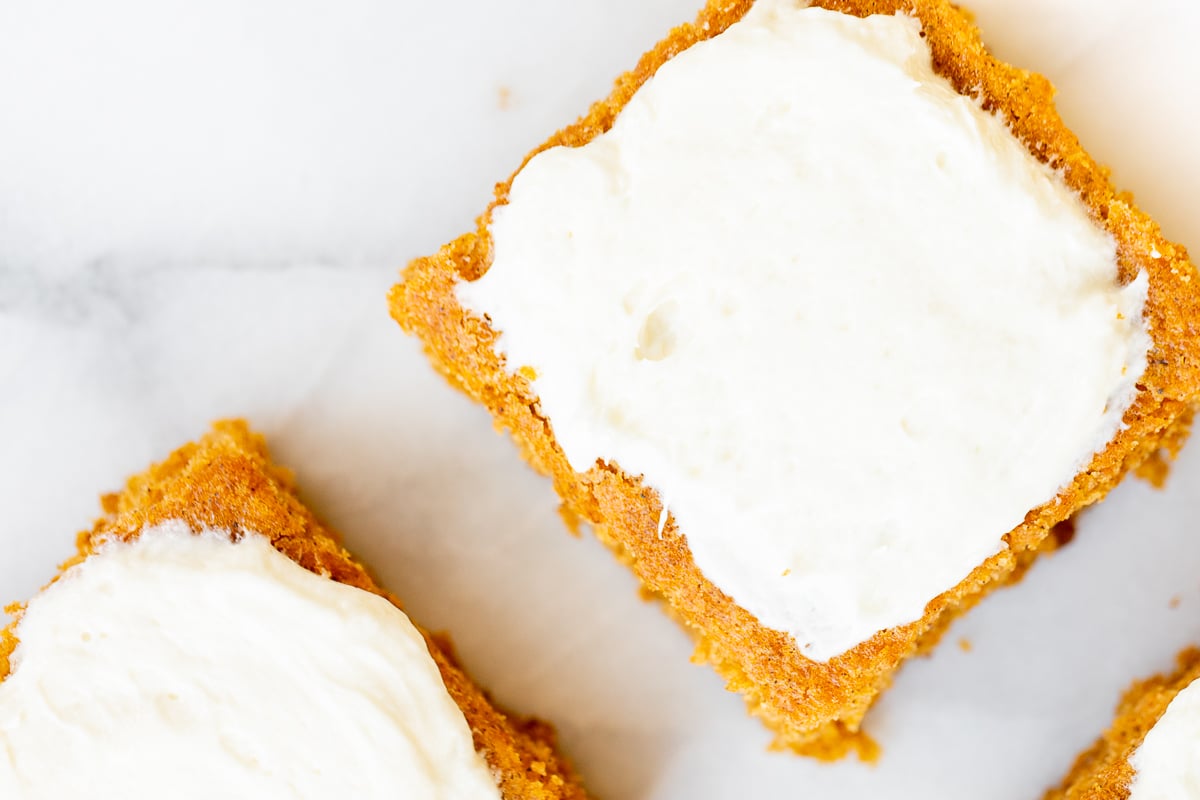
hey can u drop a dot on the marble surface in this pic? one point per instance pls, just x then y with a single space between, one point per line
202 205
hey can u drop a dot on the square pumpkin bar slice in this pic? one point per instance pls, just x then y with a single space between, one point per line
1152 750
823 319
211 638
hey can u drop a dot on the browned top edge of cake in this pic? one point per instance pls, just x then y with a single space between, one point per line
781 684
227 481
1103 772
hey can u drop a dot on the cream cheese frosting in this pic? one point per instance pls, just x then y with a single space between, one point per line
192 666
1167 763
833 311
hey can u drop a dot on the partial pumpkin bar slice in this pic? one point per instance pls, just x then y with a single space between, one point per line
211 638
1152 750
823 319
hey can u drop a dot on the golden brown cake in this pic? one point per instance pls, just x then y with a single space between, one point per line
816 706
1104 772
226 482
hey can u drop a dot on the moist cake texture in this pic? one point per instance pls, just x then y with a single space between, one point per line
238 567
1126 763
814 692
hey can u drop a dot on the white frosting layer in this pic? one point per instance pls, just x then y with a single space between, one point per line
829 308
1167 763
184 666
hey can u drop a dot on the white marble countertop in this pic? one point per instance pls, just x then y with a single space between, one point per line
202 205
